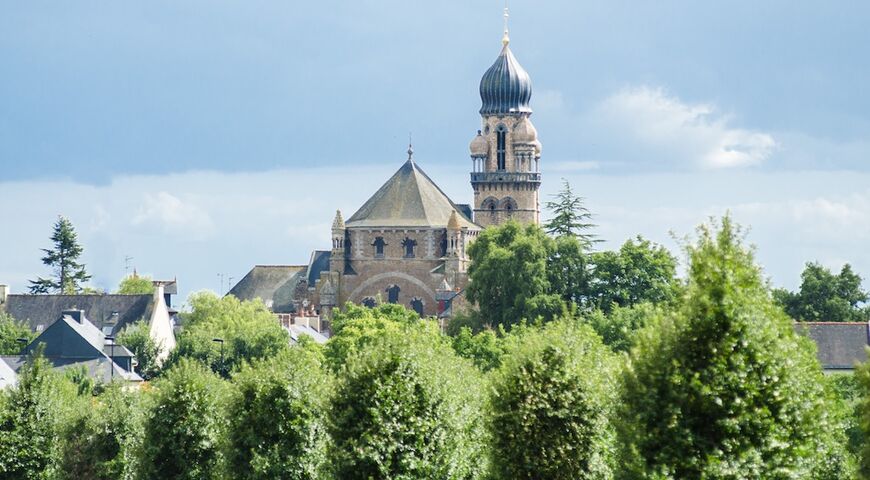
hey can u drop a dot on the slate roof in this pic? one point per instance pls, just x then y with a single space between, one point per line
274 284
97 368
100 309
319 263
298 330
408 199
840 345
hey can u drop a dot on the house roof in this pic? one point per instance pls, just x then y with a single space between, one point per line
68 338
97 368
298 330
274 284
408 199
113 310
840 345
8 377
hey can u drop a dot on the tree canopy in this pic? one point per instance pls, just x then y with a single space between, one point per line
136 285
570 218
723 387
69 274
826 297
11 331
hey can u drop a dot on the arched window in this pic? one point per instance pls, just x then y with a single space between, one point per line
393 293
409 244
379 245
369 302
417 305
501 148
508 204
490 204
443 244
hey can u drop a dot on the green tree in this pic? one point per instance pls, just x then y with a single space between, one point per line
137 338
551 405
277 418
568 270
184 425
136 285
407 407
619 328
101 439
30 418
571 218
826 297
641 271
509 279
69 274
722 387
484 348
10 331
356 327
248 330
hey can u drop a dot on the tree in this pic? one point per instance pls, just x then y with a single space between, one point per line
30 418
568 270
137 338
721 387
641 271
509 279
63 258
184 424
10 331
277 418
357 327
550 406
136 285
619 328
571 218
826 297
407 407
101 439
484 348
248 330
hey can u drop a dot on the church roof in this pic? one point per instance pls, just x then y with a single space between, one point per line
505 88
408 199
275 285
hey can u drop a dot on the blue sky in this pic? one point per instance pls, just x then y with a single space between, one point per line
203 137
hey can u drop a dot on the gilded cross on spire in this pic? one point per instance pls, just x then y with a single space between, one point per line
506 39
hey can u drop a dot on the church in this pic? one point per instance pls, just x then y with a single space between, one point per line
407 244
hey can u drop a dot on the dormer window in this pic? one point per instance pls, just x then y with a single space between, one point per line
379 245
409 244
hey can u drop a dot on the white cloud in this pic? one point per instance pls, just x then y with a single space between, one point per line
663 126
172 215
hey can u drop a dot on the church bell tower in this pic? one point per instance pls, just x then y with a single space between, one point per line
506 153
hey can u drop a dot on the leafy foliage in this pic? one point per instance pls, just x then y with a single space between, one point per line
136 285
723 388
137 338
406 407
484 348
640 271
69 274
509 279
30 417
10 331
356 327
550 407
100 441
571 218
277 418
248 330
826 297
619 328
184 424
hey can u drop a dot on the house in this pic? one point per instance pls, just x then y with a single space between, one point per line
110 313
73 342
8 377
840 346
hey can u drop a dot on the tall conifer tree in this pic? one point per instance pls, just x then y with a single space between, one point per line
570 216
69 274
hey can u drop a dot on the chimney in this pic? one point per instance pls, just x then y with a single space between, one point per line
77 315
4 294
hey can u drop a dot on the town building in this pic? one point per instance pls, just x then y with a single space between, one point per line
408 243
840 346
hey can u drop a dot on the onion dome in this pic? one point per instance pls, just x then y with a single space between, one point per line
505 88
537 145
479 146
525 132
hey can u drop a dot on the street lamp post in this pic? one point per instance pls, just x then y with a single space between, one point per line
111 357
221 341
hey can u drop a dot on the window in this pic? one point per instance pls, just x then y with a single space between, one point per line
489 204
417 306
369 302
379 245
409 244
443 245
393 293
501 149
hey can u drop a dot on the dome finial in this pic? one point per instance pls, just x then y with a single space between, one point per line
506 39
410 148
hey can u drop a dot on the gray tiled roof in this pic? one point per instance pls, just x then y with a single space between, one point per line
43 310
408 199
274 284
97 368
839 345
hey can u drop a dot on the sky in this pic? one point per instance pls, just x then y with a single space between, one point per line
203 137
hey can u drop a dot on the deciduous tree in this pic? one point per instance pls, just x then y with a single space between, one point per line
826 297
